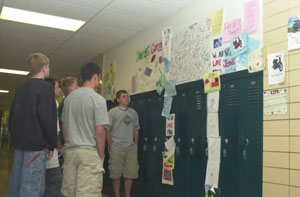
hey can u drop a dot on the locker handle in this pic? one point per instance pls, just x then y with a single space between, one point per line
246 142
244 154
191 151
206 152
224 152
145 147
154 148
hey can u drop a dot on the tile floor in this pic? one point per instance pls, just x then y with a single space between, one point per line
6 161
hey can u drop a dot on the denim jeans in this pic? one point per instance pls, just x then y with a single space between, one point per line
28 174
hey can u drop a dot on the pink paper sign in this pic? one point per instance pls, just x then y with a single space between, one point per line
251 15
232 29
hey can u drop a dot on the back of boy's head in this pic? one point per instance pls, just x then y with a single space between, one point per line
120 92
66 83
88 70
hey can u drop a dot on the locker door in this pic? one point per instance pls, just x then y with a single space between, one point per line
197 142
251 146
180 172
159 189
148 130
229 117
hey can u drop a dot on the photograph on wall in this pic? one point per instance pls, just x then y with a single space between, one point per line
217 42
294 33
212 82
276 68
275 102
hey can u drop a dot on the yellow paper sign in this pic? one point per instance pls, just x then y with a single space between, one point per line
168 163
212 82
216 18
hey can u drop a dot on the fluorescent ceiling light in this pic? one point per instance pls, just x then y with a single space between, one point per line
16 72
36 18
4 91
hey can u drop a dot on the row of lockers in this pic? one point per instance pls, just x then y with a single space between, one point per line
240 124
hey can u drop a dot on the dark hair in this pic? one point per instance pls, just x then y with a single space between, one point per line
51 81
88 70
120 92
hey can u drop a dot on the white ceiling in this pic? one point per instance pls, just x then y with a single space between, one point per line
109 22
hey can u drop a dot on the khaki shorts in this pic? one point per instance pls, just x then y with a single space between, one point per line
123 162
82 173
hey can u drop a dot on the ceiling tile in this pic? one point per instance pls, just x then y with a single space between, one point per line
142 8
116 19
90 3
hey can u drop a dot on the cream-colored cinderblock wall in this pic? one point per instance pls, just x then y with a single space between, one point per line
281 166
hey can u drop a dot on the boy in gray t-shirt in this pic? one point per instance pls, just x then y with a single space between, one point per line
122 137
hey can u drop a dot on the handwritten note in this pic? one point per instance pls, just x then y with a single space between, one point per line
217 21
232 29
251 15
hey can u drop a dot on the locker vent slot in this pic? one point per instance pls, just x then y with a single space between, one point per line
253 95
183 103
232 97
197 101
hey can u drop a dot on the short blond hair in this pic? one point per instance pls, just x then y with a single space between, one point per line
36 61
66 83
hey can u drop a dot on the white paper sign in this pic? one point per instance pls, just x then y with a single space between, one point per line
212 173
212 125
170 146
276 68
213 101
214 148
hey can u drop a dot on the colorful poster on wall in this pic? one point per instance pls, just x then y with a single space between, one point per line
294 33
168 162
276 68
160 84
149 66
229 64
167 176
275 102
256 60
108 89
170 125
217 21
212 82
232 29
251 16
170 88
191 54
239 44
217 59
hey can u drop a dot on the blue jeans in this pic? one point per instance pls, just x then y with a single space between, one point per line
28 174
